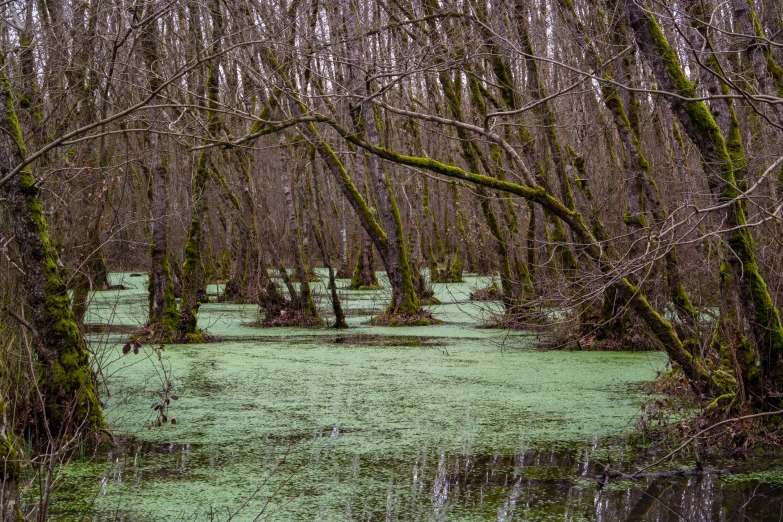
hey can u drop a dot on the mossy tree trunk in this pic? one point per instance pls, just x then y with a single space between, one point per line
765 331
404 298
320 239
90 271
244 245
66 380
193 284
363 277
641 191
163 305
395 256
764 66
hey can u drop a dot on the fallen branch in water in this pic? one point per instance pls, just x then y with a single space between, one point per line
609 474
699 434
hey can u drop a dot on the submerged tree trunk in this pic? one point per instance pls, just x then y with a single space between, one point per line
66 378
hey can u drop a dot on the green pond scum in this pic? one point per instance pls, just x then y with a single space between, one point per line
449 422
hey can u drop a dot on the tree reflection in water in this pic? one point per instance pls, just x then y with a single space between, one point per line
560 485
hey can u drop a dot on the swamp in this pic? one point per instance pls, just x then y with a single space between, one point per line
364 260
452 423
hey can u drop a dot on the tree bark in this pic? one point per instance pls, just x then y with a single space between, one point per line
304 303
404 299
193 284
66 378
764 320
163 315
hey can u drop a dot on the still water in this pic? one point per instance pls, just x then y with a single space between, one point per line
450 422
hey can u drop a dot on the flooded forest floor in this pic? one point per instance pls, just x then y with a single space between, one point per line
446 422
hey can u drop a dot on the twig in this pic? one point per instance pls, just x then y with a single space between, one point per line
18 318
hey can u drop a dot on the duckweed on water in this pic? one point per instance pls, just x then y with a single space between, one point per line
445 422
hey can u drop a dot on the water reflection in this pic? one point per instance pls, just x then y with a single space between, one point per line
534 484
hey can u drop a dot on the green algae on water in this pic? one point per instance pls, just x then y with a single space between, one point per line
382 424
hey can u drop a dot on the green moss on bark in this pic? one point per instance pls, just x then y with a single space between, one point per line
65 377
758 308
192 284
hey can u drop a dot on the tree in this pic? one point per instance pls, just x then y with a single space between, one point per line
71 404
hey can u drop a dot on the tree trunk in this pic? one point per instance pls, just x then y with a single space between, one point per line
339 315
404 299
364 277
765 329
163 315
343 271
305 302
65 378
193 286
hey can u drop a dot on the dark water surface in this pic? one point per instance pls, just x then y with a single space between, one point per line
449 422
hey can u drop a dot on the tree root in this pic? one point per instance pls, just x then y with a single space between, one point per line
489 293
156 333
390 318
292 318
